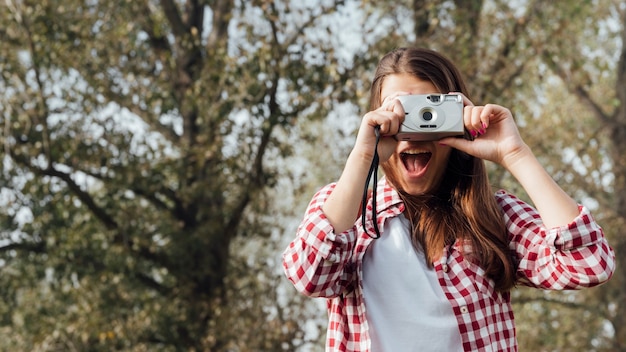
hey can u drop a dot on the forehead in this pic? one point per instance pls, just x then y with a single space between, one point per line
407 83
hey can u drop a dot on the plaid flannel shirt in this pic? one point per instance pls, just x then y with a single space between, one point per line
321 263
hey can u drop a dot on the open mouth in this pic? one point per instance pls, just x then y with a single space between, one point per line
415 161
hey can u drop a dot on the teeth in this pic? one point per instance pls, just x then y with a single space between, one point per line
415 152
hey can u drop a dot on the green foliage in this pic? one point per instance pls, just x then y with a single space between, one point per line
137 138
155 154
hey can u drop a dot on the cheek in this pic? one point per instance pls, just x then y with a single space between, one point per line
442 162
391 168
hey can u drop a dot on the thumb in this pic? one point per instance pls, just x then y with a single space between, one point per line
454 142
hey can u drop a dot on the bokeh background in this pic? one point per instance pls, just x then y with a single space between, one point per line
157 157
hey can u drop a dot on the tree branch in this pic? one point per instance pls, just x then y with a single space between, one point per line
578 90
620 115
173 16
151 283
597 110
36 247
290 40
567 304
178 211
194 12
84 197
221 18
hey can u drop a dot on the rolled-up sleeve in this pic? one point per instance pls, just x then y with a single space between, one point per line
318 261
572 256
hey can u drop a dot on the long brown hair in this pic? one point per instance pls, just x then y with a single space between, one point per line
464 207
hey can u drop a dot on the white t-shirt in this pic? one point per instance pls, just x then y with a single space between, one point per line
405 306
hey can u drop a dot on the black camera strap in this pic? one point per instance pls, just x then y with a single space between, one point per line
373 170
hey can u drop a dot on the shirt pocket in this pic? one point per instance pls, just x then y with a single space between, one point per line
484 286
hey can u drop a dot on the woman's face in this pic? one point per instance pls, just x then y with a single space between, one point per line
415 167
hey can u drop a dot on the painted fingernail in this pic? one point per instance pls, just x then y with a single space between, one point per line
474 134
484 125
482 131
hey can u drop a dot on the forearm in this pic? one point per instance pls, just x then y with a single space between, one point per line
555 207
317 260
577 251
343 205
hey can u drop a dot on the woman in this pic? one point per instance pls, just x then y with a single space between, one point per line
439 277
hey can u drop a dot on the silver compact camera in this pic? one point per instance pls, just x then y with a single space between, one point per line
431 117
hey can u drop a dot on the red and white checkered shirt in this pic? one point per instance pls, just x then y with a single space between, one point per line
321 263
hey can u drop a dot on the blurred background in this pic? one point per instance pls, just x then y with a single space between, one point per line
157 157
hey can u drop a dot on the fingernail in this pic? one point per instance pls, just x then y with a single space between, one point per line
474 133
484 125
482 131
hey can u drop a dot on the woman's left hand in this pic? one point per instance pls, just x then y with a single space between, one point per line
496 137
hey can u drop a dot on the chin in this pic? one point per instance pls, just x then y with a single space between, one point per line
416 191
411 188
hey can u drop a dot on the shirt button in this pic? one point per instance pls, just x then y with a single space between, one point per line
444 268
464 310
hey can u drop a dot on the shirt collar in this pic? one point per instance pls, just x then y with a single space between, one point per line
387 197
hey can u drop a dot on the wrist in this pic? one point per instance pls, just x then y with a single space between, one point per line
361 156
518 158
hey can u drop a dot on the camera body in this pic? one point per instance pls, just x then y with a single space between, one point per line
431 117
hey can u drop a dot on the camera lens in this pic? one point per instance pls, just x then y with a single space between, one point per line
427 115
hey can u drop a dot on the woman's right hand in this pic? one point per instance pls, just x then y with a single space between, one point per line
343 205
389 116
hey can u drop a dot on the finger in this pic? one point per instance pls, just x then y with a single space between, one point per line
394 122
398 109
400 115
456 143
391 117
392 97
476 122
490 111
387 121
468 112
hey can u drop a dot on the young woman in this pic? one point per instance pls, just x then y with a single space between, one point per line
439 277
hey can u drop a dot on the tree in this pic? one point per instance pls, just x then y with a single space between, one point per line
512 55
552 64
139 140
598 85
154 154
